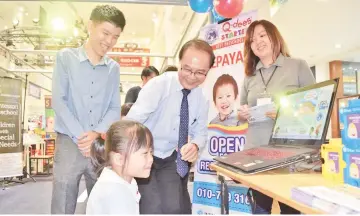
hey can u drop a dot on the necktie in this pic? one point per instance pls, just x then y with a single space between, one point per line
183 166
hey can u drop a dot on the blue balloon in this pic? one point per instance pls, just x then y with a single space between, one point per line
201 6
214 16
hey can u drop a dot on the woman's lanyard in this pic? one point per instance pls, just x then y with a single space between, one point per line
267 83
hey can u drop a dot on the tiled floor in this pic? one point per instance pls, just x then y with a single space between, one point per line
35 197
31 197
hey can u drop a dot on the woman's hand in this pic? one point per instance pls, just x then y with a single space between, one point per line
243 113
271 114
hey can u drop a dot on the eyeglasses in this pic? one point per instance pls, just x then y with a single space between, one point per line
197 74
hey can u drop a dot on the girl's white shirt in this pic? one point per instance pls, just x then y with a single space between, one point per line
113 195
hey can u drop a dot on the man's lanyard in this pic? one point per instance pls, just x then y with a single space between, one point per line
262 77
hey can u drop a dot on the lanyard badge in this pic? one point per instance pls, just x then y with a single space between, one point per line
265 97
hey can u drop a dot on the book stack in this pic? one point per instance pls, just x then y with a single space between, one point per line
342 199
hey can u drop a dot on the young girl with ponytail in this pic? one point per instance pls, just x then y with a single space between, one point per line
126 153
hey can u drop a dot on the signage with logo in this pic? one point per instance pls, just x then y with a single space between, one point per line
228 33
11 163
132 61
224 136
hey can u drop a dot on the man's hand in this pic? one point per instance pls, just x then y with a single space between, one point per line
85 142
189 152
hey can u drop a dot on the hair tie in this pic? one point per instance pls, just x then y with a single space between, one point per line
103 136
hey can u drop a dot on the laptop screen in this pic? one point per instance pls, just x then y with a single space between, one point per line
304 114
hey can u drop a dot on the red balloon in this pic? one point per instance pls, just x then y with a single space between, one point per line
228 8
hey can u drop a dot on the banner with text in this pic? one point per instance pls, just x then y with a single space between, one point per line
132 61
10 120
226 134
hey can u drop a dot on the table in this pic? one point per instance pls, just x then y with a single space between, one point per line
276 184
30 139
47 158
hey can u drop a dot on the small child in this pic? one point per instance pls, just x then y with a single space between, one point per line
225 93
126 153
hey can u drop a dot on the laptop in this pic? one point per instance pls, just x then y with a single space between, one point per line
300 129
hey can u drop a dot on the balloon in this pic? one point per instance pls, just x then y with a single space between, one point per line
215 17
228 8
201 6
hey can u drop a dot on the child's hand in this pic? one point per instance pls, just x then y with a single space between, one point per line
243 113
271 114
189 152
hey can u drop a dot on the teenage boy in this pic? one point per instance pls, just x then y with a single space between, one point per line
86 101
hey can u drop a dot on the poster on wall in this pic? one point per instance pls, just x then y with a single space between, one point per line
11 164
49 115
226 134
34 90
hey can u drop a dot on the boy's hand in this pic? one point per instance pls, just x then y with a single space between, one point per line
85 142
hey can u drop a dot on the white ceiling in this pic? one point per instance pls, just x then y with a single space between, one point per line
313 28
144 21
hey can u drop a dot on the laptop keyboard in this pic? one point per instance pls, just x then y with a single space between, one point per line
270 154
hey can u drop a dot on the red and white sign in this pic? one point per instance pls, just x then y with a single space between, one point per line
132 61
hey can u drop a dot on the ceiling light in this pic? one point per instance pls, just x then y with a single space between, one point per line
35 20
76 32
337 46
15 22
58 24
147 40
155 18
26 14
5 27
133 33
21 9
